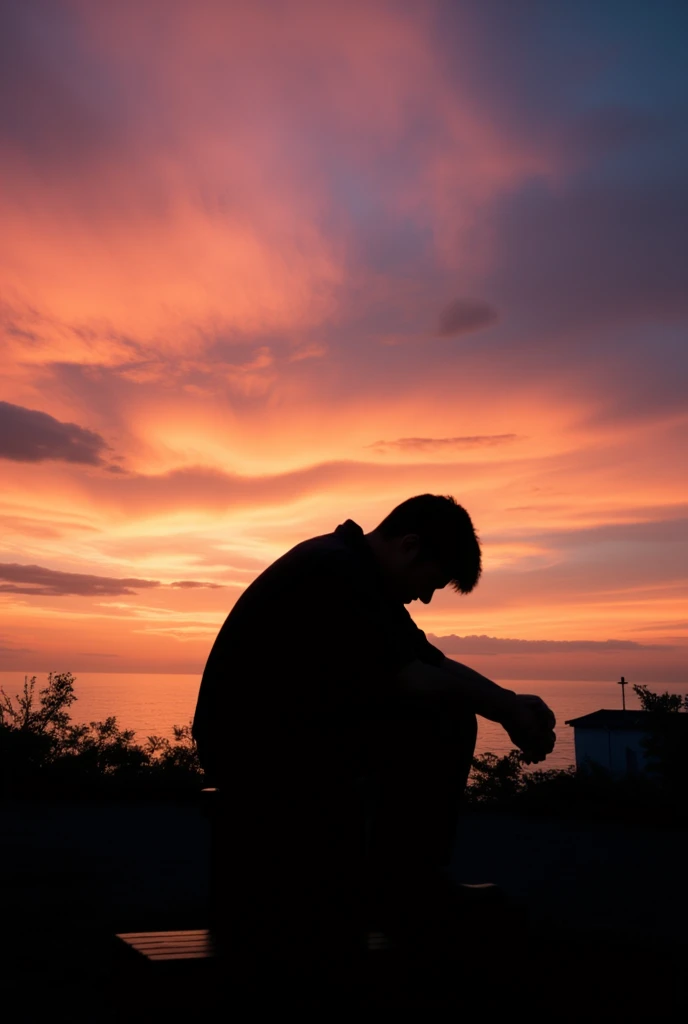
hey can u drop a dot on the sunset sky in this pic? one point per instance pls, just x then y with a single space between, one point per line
266 266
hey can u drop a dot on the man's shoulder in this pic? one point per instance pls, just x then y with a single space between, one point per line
325 557
344 546
342 551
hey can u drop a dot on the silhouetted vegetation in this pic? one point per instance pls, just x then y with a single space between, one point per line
42 752
661 703
505 782
658 793
665 746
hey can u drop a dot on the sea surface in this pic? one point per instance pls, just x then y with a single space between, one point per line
152 704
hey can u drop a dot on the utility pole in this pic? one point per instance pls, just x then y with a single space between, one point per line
623 684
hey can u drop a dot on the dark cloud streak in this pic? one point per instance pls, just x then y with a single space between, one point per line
28 435
38 581
453 644
425 444
465 315
193 584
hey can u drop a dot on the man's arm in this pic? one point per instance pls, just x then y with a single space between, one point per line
458 682
527 719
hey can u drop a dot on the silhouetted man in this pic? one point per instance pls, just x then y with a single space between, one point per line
322 701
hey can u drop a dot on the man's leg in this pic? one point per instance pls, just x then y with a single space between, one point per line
418 755
293 872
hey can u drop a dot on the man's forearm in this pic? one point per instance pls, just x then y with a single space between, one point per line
492 700
453 680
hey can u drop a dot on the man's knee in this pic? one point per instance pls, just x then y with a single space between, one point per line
432 720
444 715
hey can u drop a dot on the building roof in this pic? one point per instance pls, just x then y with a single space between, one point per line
635 721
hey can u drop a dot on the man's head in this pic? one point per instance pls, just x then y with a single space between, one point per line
424 544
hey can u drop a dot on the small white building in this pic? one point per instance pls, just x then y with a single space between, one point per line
613 740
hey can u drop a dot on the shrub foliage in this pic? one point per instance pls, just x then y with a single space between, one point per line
42 751
660 791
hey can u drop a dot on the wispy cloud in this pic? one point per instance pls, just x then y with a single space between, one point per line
34 526
430 444
202 487
8 646
37 580
184 634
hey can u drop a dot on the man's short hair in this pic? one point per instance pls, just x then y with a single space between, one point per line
446 534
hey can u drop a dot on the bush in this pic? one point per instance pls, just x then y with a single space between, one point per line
505 782
42 751
494 779
665 745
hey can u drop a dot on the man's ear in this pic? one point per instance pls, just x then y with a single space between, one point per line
410 544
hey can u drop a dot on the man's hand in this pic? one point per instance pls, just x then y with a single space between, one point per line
530 725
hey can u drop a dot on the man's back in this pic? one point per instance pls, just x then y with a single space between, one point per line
314 641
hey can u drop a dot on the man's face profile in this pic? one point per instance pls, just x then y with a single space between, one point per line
418 575
425 577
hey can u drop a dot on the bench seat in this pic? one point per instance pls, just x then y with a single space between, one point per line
197 944
190 944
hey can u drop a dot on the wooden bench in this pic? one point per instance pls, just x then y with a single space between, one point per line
161 947
194 944
197 944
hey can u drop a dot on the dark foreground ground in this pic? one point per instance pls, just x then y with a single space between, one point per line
604 931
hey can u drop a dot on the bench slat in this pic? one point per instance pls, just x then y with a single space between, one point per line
178 940
162 949
179 956
197 944
190 944
185 933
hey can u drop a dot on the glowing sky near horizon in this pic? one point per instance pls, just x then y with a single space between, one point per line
267 266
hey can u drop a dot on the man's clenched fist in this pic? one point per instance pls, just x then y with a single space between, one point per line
530 725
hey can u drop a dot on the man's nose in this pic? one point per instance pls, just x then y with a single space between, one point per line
426 598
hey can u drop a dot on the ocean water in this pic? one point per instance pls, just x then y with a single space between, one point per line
152 704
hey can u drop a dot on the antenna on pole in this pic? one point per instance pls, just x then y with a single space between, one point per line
623 684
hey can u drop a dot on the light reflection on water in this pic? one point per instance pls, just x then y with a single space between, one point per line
152 704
